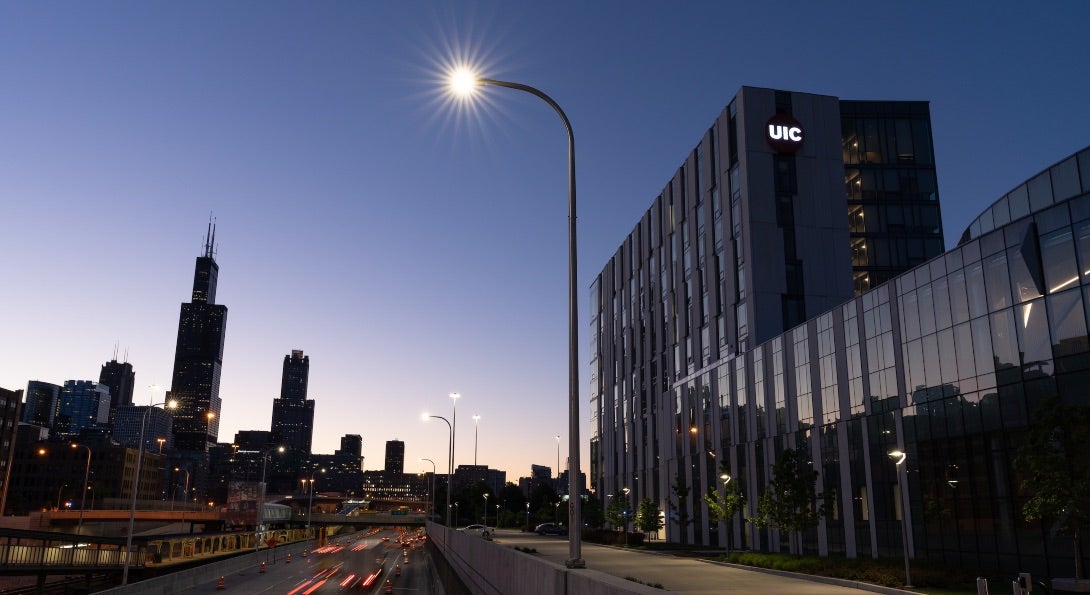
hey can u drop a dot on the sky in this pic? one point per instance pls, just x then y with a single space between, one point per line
409 244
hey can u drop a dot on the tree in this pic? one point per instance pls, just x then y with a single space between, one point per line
1057 465
722 506
615 511
648 516
790 503
680 512
593 513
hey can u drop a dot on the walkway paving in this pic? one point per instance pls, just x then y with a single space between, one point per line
689 576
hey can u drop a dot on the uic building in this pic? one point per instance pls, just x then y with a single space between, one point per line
788 289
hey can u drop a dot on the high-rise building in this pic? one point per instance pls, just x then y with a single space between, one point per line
293 412
42 399
158 427
83 404
11 402
198 357
395 456
351 446
120 379
256 440
714 350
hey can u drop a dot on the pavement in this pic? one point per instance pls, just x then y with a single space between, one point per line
690 576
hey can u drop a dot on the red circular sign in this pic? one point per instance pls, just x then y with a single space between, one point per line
784 133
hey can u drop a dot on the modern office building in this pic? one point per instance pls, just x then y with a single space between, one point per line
42 399
351 446
120 379
293 412
198 357
158 427
395 456
716 355
11 404
83 404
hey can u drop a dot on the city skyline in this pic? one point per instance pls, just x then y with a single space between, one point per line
415 249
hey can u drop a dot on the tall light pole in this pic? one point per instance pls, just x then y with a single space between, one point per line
465 82
185 491
261 500
136 485
86 476
486 509
558 462
431 496
476 418
310 501
450 456
453 430
901 456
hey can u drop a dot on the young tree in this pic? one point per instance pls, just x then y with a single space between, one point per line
1056 460
593 513
722 506
648 516
790 503
618 504
680 512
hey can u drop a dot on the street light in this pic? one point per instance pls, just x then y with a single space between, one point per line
486 509
261 501
527 515
86 476
160 441
464 83
450 456
431 496
185 491
558 462
901 456
310 502
624 514
136 485
476 418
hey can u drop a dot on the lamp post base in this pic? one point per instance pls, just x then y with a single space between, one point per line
575 563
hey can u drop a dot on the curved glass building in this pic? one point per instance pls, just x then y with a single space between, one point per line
714 351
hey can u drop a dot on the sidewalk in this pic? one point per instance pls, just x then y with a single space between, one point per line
691 576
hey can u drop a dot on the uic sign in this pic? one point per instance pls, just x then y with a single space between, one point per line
785 133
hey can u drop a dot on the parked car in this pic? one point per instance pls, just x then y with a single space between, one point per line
550 529
482 530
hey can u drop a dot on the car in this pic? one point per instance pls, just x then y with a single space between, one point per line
550 529
482 530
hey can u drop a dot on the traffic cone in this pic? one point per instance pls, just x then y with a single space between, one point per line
219 585
262 571
288 561
389 586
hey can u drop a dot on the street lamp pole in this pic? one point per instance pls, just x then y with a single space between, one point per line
185 491
486 509
136 486
450 457
86 476
476 418
901 456
431 496
465 82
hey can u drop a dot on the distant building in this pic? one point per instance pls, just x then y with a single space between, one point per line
257 440
83 404
10 408
293 413
42 399
120 379
395 456
198 357
351 446
540 475
159 425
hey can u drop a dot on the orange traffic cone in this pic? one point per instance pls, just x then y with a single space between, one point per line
288 561
389 586
262 571
219 585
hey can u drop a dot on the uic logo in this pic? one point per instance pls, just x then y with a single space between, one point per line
785 133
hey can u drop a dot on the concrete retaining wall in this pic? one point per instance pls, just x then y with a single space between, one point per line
488 568
231 569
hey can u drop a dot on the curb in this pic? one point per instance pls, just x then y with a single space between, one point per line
827 580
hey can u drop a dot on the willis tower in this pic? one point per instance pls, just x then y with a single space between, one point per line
198 357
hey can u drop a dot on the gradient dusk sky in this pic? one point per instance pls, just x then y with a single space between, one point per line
410 246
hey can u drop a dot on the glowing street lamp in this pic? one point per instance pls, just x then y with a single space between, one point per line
136 485
86 476
450 456
464 82
431 496
900 457
185 491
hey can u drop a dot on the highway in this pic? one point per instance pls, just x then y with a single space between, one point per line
358 563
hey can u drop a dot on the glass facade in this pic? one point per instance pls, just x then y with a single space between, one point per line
946 361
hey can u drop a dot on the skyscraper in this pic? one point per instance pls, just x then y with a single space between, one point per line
83 404
395 456
293 413
198 357
119 378
41 403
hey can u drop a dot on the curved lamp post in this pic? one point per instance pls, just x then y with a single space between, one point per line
83 497
185 491
261 501
431 496
464 83
900 457
136 485
450 456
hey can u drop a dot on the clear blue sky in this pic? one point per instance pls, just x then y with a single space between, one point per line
411 248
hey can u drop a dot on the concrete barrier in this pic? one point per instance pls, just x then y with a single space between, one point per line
488 568
181 580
